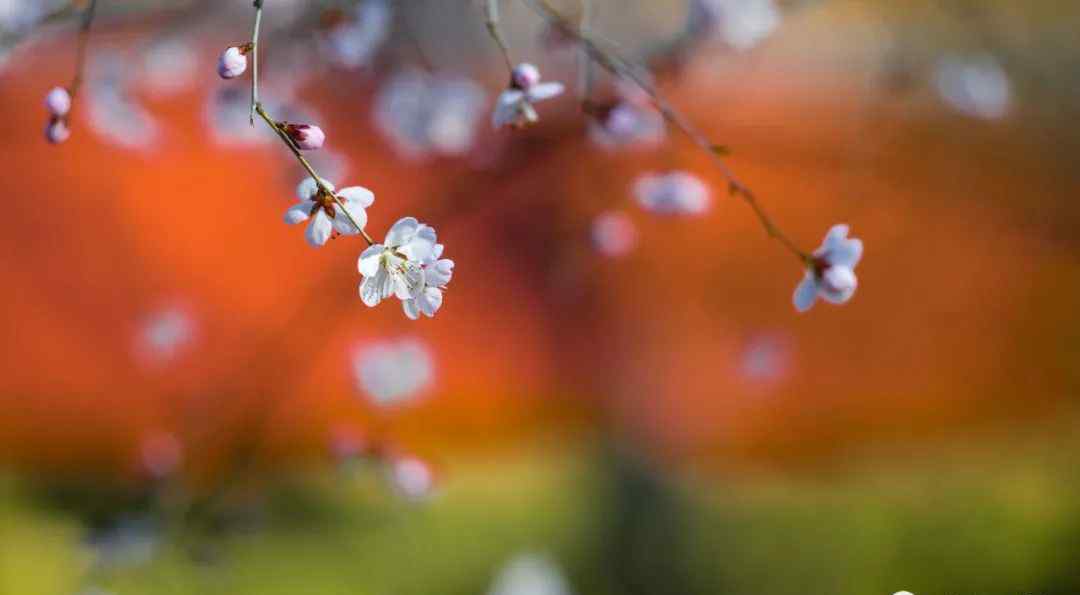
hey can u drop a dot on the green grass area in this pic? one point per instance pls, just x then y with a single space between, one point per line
973 526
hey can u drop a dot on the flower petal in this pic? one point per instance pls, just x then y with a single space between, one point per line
299 212
342 223
307 189
439 273
430 301
402 231
544 91
318 231
357 194
411 309
838 284
370 291
845 253
806 293
836 234
368 264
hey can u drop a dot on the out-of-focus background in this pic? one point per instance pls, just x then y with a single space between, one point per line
192 400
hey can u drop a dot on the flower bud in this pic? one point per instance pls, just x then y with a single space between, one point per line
57 131
306 136
524 76
233 62
58 102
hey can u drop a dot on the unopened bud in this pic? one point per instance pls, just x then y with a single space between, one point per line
233 62
57 131
58 102
306 136
525 75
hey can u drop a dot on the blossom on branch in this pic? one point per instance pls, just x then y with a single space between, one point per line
831 273
233 61
407 265
515 105
674 193
330 212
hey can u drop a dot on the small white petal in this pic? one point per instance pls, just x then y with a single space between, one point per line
298 212
370 290
368 265
838 284
440 273
357 194
544 91
846 253
806 293
411 309
308 188
836 234
402 231
430 301
342 223
319 230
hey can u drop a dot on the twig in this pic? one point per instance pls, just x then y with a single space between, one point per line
80 51
623 68
491 14
258 4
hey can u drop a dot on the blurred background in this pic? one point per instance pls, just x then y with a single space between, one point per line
611 401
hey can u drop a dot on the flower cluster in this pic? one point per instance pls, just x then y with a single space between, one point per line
407 265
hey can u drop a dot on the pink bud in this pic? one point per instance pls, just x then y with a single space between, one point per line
306 136
57 131
525 75
58 101
233 63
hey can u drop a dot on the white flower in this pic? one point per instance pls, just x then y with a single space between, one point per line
423 114
626 124
411 477
324 210
614 234
975 86
675 193
113 107
58 102
831 274
437 274
515 105
353 42
393 372
741 24
530 574
396 267
232 63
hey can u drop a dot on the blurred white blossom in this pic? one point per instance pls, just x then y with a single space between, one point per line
411 477
113 110
831 274
168 67
614 233
393 372
741 24
976 86
353 42
530 574
424 114
674 193
627 124
164 335
324 212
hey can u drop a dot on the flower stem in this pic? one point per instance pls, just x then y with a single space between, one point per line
81 49
622 68
279 128
491 21
258 4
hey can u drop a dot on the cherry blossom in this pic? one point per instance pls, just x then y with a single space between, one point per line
324 210
398 267
674 193
976 86
831 274
353 42
741 24
437 274
515 105
393 372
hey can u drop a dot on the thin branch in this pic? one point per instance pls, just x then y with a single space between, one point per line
81 50
258 4
621 67
585 70
279 128
491 21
